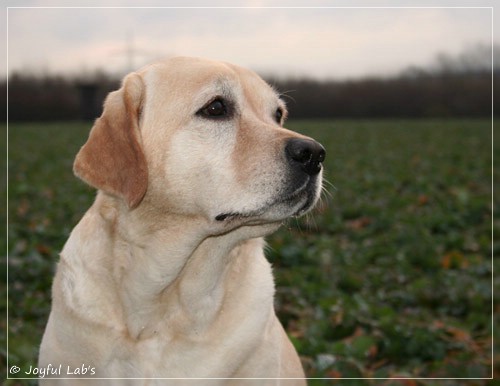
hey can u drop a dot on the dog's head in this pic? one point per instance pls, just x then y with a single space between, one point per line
196 137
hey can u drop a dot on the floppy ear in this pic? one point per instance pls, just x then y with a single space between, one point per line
112 158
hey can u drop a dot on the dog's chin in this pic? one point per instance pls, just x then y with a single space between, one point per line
295 204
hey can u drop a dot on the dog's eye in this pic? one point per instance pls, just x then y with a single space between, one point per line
279 115
215 109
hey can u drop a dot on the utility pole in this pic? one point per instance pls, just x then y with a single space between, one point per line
132 55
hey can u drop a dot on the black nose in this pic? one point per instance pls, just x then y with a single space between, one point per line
306 154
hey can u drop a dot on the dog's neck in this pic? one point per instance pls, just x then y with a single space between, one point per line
173 264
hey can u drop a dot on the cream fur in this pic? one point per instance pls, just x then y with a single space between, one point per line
150 285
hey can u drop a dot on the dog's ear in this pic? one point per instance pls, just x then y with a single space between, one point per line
112 158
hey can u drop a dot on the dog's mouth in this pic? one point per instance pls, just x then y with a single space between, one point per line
294 204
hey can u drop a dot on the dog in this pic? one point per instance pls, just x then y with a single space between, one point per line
165 275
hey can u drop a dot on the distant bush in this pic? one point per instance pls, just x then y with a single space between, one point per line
53 97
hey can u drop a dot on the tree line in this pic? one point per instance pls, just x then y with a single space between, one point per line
458 87
416 96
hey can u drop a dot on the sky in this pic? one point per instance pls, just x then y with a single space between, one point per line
320 39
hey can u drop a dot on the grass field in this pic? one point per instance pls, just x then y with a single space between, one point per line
390 277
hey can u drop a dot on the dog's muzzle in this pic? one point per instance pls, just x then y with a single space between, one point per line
304 158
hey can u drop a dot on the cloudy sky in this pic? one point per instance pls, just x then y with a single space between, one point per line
317 41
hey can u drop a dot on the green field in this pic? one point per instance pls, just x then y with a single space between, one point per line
391 276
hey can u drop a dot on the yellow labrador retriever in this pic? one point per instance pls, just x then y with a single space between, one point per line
165 276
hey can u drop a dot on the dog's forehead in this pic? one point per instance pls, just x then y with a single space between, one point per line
201 76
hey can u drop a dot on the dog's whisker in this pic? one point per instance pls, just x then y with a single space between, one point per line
285 95
326 193
326 182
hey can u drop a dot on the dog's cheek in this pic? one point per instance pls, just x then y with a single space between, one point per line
197 167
